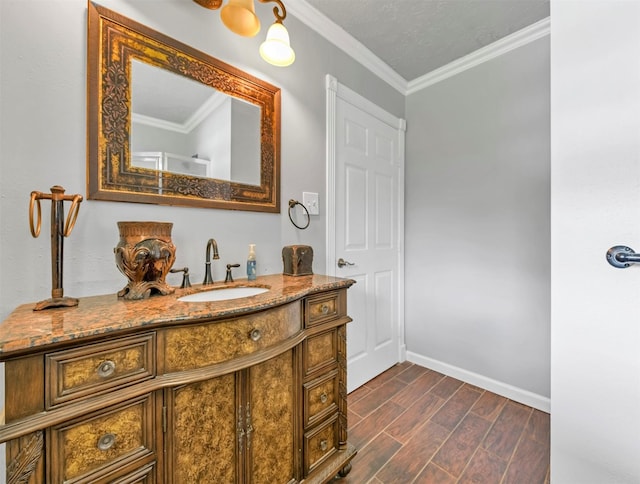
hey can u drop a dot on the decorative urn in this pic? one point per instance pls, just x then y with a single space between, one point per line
145 254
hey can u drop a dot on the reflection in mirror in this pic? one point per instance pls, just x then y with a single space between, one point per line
168 124
181 126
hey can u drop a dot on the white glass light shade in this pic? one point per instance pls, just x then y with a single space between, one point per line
239 16
276 49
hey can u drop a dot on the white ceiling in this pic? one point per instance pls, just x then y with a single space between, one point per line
416 37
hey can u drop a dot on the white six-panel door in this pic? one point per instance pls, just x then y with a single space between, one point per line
367 235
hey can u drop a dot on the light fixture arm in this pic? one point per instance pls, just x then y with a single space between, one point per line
210 4
276 10
239 17
279 11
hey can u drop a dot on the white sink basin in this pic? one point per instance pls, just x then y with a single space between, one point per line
223 294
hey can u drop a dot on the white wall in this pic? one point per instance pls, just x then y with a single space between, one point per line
245 142
217 147
477 224
595 355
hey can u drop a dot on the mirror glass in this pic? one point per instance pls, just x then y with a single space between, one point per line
168 124
181 126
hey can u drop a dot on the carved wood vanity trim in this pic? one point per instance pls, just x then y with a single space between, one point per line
129 403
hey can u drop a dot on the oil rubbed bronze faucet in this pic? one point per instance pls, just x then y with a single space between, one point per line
212 245
185 277
229 276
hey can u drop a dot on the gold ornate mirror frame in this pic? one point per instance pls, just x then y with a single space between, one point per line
113 42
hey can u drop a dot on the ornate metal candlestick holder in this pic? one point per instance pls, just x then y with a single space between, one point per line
59 230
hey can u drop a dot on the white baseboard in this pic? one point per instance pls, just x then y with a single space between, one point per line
403 352
513 393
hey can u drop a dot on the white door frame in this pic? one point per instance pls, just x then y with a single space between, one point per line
336 90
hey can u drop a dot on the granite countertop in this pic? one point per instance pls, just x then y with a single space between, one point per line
25 329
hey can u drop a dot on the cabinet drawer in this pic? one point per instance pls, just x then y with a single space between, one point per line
319 444
320 398
325 307
94 369
105 445
201 345
320 352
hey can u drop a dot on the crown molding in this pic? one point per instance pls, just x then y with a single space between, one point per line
506 44
317 21
211 104
320 23
158 123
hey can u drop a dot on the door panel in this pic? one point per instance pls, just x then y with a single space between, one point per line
385 206
271 412
355 202
367 174
357 332
202 437
384 308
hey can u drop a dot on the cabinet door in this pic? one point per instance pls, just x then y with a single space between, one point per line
271 433
201 434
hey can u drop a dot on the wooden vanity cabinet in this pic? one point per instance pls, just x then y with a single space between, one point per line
238 427
255 398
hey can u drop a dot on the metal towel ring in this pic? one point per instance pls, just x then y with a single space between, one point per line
292 204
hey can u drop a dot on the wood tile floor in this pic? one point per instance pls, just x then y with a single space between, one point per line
414 425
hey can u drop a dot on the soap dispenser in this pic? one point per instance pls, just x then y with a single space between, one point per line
251 263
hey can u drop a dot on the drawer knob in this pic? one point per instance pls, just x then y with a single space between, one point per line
106 368
255 334
323 445
323 397
106 442
324 309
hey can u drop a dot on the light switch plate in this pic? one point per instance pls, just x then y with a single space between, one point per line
310 200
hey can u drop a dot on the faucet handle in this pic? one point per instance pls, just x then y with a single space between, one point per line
229 277
185 277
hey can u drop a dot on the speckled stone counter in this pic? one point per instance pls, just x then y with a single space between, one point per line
26 330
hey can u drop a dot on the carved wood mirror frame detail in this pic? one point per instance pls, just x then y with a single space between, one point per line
113 42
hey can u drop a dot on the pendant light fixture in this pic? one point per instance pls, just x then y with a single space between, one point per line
239 16
276 49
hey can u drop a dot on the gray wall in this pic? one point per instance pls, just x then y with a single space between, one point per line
42 124
477 220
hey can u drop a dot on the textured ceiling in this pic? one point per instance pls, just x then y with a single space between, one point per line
415 37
